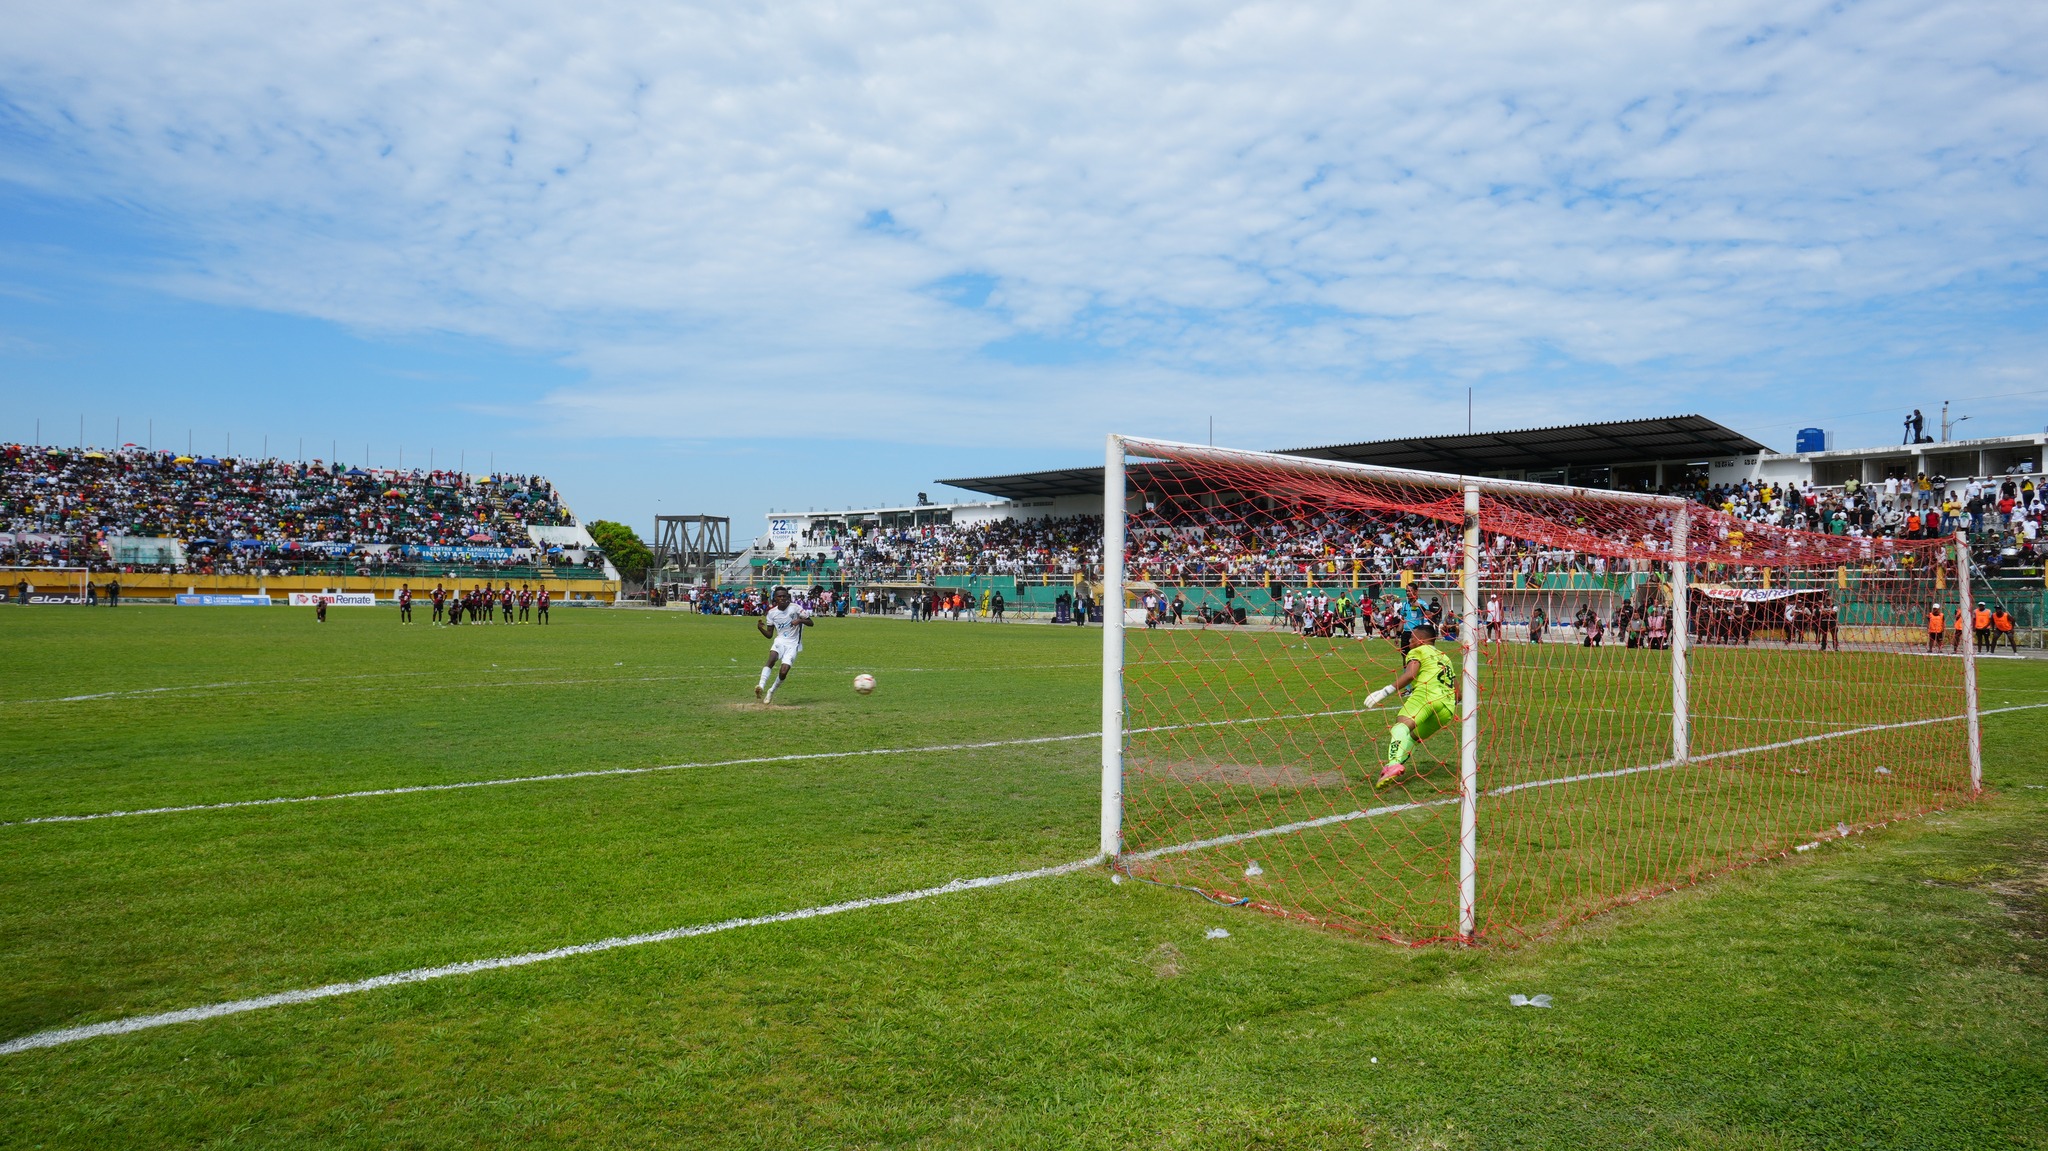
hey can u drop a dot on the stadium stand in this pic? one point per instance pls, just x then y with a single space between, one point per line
136 511
2002 513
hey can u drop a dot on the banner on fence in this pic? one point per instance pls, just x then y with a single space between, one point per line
73 599
1752 594
458 554
203 600
333 598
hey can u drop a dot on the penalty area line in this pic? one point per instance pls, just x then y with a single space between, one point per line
60 1036
604 772
1394 809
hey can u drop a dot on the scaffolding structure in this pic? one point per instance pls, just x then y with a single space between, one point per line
688 549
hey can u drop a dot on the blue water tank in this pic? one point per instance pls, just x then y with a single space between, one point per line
1810 440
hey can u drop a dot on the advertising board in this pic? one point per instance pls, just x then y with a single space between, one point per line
333 598
204 600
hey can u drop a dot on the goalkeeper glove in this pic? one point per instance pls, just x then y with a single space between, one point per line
1380 696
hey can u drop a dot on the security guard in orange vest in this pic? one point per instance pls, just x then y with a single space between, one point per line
1980 626
2001 631
1936 624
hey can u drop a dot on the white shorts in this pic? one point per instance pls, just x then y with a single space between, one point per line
786 650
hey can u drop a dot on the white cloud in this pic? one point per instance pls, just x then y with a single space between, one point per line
1253 206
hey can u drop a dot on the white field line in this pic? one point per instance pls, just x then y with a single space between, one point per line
417 789
60 1036
1369 813
704 671
64 1035
139 691
598 773
1286 828
1540 707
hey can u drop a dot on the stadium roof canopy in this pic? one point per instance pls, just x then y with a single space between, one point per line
1620 443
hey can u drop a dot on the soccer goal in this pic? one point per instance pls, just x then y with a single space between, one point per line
1652 691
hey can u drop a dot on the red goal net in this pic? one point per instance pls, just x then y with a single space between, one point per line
1653 691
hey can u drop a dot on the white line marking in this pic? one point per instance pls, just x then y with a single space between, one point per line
1349 816
1285 828
597 773
703 671
64 1035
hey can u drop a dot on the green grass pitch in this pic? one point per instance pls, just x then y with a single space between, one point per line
1886 990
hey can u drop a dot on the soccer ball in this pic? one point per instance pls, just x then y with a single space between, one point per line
863 683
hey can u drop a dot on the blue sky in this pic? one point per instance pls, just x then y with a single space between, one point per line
709 259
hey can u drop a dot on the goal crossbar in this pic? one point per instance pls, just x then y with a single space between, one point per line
1346 469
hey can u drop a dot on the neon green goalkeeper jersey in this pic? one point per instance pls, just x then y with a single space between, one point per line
1437 679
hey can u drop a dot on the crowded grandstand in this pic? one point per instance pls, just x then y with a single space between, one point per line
2002 515
191 519
134 510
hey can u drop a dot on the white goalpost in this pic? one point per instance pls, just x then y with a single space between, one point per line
1220 797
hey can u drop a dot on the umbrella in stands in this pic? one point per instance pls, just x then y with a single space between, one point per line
209 461
479 538
355 472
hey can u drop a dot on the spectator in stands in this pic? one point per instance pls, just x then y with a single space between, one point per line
239 515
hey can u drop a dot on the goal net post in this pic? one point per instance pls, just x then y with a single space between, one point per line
1649 691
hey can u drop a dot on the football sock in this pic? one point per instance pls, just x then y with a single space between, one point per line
1400 741
765 673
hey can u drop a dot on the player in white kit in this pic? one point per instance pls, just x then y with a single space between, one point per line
784 624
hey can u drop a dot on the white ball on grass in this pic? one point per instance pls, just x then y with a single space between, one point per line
863 683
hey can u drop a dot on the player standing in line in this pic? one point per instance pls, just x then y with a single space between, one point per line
540 605
440 598
1431 705
525 603
784 624
404 603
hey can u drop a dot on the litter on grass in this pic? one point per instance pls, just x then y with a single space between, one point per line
1217 933
1528 1000
1883 770
1253 868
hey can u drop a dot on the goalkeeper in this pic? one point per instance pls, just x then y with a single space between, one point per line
1433 703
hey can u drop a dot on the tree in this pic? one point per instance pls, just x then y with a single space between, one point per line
622 546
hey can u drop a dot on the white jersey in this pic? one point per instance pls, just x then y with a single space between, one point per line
788 624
